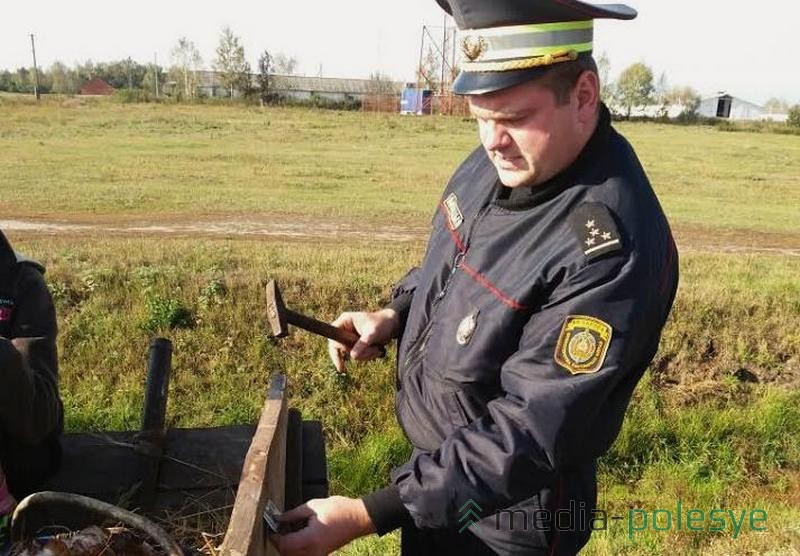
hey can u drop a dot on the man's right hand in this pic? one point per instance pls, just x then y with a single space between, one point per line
375 329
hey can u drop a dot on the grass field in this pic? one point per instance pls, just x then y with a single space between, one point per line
715 422
141 161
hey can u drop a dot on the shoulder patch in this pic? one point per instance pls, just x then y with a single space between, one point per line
583 344
595 230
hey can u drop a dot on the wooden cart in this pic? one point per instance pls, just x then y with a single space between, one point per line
185 472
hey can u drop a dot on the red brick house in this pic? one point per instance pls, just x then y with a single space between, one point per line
97 86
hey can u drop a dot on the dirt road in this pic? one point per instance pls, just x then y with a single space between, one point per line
689 238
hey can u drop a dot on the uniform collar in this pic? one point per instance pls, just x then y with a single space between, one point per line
520 198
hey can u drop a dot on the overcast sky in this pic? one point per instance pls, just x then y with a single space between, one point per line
711 45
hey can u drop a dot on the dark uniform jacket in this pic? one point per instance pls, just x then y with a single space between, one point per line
30 408
526 329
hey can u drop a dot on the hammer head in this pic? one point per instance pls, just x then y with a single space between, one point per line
275 311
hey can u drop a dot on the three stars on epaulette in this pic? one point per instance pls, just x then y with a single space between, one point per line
597 238
595 229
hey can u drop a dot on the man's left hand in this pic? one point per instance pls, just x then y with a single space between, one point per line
330 524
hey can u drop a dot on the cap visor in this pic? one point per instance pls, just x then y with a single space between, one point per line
600 11
482 82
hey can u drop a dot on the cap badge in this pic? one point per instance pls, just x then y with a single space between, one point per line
467 328
473 47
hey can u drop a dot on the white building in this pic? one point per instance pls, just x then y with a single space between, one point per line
723 105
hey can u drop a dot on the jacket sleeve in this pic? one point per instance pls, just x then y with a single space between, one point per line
30 406
548 416
403 294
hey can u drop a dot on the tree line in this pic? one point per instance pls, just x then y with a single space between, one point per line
635 88
180 79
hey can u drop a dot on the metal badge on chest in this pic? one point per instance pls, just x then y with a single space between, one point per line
454 216
467 328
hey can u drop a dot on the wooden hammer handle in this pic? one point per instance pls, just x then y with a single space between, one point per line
322 328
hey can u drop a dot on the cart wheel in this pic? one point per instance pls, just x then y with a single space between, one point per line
86 507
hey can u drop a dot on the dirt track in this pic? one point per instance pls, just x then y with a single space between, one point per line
270 227
689 238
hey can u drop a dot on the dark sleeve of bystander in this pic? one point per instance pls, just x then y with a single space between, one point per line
31 413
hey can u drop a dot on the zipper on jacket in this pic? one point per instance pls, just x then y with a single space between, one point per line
415 352
417 349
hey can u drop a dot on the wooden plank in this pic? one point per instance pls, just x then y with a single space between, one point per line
262 479
105 465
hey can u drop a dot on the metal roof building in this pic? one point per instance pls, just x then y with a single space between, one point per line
210 84
723 105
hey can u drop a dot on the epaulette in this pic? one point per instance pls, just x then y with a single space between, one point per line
595 230
22 259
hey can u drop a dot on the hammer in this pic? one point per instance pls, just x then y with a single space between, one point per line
280 318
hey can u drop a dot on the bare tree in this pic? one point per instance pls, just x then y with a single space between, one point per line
230 62
285 65
84 72
186 62
661 95
687 98
776 106
430 69
265 68
63 78
152 78
380 84
604 72
662 86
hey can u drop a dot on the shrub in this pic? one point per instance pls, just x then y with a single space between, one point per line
166 313
212 294
128 96
794 116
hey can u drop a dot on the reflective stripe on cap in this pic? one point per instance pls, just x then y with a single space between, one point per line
525 46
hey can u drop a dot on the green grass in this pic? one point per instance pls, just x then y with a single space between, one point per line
694 431
714 423
113 296
733 314
99 159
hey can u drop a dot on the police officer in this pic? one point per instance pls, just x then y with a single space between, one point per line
548 277
31 413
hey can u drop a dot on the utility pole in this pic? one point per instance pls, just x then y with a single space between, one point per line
453 62
419 98
35 71
444 54
155 70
